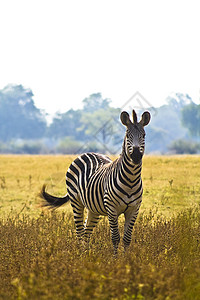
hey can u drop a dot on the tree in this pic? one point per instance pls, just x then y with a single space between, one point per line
184 147
19 117
102 125
67 124
191 118
94 125
69 146
95 102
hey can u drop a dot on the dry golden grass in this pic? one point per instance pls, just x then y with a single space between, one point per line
170 183
41 259
21 178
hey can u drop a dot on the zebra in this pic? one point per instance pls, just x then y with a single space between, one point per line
106 187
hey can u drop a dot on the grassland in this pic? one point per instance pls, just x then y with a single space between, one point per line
40 257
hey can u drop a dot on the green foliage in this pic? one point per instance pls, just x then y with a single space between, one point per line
156 139
95 102
32 148
24 147
184 147
96 123
101 124
165 126
19 117
191 118
67 124
41 259
68 146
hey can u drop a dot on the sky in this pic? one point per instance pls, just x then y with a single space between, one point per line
66 50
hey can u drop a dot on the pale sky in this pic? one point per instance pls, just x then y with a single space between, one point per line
66 50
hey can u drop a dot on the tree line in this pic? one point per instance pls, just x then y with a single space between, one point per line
95 127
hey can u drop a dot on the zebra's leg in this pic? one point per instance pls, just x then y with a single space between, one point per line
130 218
78 210
115 236
90 223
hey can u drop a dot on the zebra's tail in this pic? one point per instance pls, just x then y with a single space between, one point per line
52 201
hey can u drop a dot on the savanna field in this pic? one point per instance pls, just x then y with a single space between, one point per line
41 259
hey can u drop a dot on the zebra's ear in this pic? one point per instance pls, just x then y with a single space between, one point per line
134 116
125 118
145 118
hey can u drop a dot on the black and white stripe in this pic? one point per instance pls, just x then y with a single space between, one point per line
107 188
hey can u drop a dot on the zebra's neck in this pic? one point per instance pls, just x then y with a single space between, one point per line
128 174
128 169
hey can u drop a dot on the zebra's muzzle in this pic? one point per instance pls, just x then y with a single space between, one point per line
136 155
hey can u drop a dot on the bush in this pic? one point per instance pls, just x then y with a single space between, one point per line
184 147
23 147
69 146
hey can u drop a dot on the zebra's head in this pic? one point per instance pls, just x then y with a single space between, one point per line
134 141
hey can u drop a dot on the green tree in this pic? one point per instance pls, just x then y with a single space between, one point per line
19 117
191 118
95 120
184 147
95 102
69 146
67 124
101 124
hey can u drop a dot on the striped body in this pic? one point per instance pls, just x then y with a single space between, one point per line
93 178
107 188
104 188
85 181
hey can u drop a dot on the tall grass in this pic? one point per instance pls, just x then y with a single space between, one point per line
41 259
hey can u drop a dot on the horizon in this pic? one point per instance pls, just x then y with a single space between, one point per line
140 102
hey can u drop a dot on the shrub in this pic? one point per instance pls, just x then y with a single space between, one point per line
184 147
69 146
